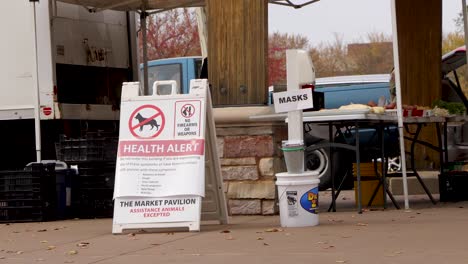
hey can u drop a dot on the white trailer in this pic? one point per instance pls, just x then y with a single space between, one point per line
64 60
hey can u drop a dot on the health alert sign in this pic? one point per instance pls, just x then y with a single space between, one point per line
161 148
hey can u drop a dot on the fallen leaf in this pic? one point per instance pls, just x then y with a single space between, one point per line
44 241
131 235
328 247
322 242
170 233
51 247
259 238
418 213
42 230
16 232
82 244
274 230
72 252
19 252
412 216
225 231
460 207
265 244
155 244
362 224
340 261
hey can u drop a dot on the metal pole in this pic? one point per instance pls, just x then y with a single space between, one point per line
465 28
35 74
143 17
202 30
396 61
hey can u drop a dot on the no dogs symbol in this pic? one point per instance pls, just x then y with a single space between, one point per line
146 122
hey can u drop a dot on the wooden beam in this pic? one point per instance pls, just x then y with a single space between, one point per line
237 53
420 44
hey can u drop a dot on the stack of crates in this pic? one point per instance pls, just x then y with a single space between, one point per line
453 182
93 189
94 146
27 195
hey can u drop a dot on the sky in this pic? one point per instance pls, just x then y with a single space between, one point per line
321 21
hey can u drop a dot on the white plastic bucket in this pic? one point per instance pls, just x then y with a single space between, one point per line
298 199
294 156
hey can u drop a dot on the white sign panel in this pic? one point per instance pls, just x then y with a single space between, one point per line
160 170
188 116
154 210
293 100
161 148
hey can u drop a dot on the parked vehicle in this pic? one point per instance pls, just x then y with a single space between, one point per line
338 91
82 59
457 135
181 69
357 89
343 90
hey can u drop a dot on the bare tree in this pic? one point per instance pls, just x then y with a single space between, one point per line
330 58
278 43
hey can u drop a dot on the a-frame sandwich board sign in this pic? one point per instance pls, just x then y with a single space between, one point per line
161 172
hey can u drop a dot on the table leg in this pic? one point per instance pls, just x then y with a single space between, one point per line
383 168
331 139
413 165
358 163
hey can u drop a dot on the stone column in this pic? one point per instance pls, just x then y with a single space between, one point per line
249 156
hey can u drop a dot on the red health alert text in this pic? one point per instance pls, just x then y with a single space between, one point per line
161 148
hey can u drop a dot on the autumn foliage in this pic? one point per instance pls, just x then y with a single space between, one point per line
172 33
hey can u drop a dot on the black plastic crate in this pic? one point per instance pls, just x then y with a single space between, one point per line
27 195
93 188
21 181
94 203
22 214
453 186
93 146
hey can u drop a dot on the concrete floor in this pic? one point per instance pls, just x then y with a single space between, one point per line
426 234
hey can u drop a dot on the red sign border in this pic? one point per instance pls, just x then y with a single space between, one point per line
163 123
